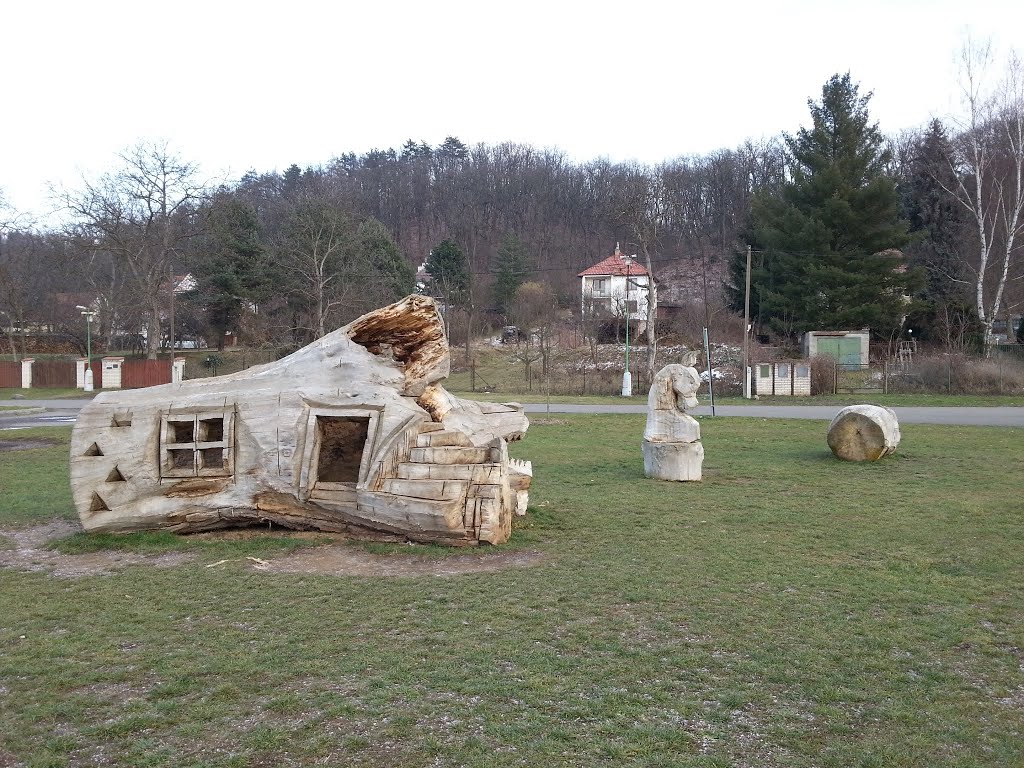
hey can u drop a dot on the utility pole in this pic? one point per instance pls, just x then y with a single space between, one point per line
746 333
707 330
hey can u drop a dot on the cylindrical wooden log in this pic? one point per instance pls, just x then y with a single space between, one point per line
863 433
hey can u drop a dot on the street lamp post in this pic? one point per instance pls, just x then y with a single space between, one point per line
88 314
627 377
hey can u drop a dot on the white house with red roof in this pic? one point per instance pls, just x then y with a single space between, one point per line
617 285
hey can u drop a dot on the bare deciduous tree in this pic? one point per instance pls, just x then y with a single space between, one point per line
534 309
317 238
644 209
988 161
142 214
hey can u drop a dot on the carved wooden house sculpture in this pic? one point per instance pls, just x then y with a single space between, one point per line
352 434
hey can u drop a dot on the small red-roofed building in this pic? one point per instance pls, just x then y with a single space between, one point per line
617 286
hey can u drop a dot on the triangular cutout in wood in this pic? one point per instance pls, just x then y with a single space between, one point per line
115 476
98 504
122 420
93 450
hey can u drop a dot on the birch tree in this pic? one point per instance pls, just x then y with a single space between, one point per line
988 164
316 243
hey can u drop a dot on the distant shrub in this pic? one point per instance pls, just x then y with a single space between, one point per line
823 375
961 375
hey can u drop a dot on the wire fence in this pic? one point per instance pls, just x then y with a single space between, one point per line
998 374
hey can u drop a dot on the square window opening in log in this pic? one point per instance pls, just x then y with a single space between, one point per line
341 439
181 460
211 430
211 458
181 431
197 445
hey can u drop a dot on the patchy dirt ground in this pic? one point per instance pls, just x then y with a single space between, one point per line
342 559
30 553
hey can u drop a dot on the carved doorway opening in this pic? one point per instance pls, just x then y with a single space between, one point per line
340 452
339 445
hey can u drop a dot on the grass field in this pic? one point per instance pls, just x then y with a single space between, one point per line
790 610
44 393
893 401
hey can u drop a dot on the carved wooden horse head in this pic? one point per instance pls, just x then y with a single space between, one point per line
674 388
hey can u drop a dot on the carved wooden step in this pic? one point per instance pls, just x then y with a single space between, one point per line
478 473
429 519
334 493
430 426
435 490
442 438
450 455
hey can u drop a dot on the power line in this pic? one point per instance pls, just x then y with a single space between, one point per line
668 260
535 270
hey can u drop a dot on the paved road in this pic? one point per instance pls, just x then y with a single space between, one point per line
56 413
995 416
63 412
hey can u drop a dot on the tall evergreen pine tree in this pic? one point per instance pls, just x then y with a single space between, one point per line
827 239
942 225
235 269
942 230
449 269
512 268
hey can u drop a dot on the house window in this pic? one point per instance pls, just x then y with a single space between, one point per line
783 370
802 371
197 444
599 286
765 372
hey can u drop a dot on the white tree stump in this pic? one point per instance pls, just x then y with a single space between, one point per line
864 433
673 461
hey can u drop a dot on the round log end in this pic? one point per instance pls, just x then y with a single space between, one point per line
863 433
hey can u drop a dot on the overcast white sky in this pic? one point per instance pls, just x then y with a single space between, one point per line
258 85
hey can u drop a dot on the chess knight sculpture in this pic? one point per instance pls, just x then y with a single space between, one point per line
671 444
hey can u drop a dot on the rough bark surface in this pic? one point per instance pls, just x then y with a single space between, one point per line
413 331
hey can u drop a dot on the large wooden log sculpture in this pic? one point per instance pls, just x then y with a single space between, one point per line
353 434
864 433
671 445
